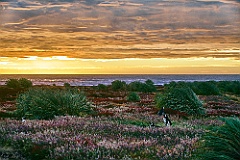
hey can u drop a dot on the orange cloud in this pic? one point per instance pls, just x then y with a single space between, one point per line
58 37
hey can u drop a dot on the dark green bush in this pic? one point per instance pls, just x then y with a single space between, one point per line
200 88
159 99
174 84
135 86
133 97
138 86
232 87
205 88
221 143
46 103
181 99
13 83
66 85
118 85
25 83
102 87
150 86
209 87
19 83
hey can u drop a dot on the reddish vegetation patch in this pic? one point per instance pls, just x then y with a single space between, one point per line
171 111
214 105
113 109
7 106
112 105
220 106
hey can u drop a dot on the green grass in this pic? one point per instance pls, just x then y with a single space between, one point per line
39 103
222 142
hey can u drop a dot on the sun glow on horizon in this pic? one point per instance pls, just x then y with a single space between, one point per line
66 65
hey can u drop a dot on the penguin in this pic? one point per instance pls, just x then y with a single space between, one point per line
166 120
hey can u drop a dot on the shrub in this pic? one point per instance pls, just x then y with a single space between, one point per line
181 99
222 142
25 83
41 103
19 83
150 86
66 85
118 85
102 87
137 86
13 83
205 88
229 87
133 97
200 88
158 99
174 84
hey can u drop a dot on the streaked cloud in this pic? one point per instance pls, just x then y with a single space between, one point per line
107 31
109 4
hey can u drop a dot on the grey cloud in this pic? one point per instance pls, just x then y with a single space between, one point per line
80 25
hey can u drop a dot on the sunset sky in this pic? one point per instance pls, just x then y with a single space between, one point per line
126 36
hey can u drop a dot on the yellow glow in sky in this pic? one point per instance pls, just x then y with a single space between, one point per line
65 65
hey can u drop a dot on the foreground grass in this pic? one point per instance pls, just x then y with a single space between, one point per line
126 136
221 142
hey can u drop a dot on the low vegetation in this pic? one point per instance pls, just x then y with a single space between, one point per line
39 103
221 142
183 100
118 85
205 88
232 87
120 121
118 137
19 83
133 97
137 86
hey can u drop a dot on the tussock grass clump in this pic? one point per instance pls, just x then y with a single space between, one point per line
222 143
181 99
38 103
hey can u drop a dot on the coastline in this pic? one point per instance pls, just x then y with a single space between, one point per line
106 79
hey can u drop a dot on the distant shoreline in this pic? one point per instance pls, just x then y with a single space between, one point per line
106 79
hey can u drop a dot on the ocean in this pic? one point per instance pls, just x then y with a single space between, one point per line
94 80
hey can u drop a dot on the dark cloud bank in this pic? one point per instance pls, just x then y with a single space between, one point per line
120 29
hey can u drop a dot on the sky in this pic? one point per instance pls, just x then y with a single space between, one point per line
120 37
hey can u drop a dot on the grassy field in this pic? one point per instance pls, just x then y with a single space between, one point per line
119 129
